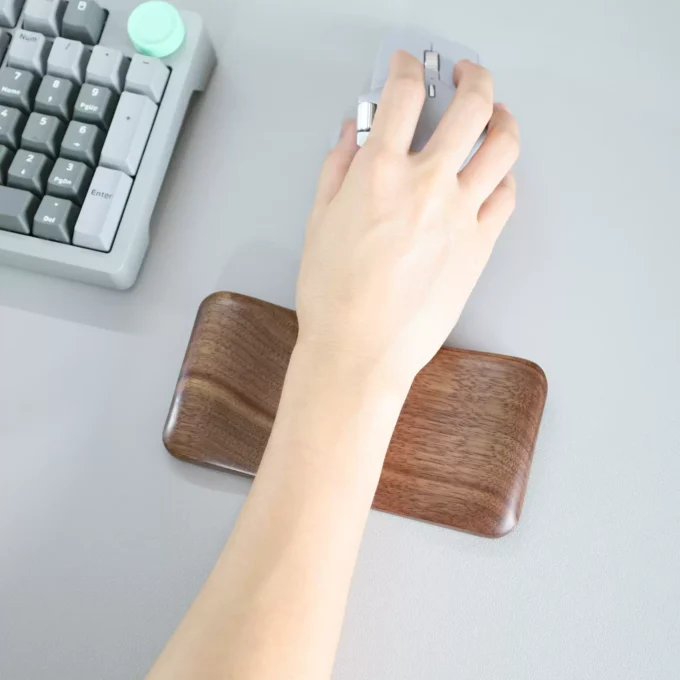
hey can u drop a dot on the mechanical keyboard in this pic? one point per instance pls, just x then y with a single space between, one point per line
92 100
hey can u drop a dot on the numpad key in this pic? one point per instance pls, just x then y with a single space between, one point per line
92 100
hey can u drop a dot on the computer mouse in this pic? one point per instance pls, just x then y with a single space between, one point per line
439 56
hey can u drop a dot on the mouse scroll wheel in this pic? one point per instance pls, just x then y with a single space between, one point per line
432 67
431 61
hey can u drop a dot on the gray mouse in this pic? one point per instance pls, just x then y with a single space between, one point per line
439 56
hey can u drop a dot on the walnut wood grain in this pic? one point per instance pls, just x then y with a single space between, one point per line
462 449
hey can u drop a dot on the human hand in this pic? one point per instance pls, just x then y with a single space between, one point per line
396 241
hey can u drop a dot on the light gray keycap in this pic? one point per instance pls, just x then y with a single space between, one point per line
17 88
147 76
96 105
28 51
44 16
129 133
55 97
29 171
82 142
107 67
103 208
69 179
16 210
6 156
5 37
67 60
84 20
55 219
9 12
12 123
43 134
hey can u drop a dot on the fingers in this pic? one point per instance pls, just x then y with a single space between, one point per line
495 157
337 164
498 207
400 105
466 117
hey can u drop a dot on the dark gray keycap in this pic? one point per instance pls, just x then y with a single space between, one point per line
29 51
82 142
56 97
6 156
70 180
103 208
55 219
96 105
17 209
147 76
29 171
107 67
67 60
9 12
44 16
43 134
5 37
129 133
84 20
12 123
17 88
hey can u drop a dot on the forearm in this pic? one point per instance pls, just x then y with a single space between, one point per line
274 604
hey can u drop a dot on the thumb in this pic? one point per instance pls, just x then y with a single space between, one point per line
337 164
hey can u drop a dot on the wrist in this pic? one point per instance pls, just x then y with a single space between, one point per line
350 371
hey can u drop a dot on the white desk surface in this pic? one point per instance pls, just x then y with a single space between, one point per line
105 539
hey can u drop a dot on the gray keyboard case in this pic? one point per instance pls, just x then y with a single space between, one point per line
191 67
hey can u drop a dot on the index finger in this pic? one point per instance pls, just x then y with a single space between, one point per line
400 104
466 116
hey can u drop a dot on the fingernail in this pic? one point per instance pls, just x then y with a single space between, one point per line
501 106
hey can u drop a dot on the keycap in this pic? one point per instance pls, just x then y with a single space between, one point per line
67 60
147 76
84 20
82 142
5 37
43 134
9 12
6 156
28 51
17 209
129 133
95 105
70 180
44 16
107 67
103 208
55 219
12 123
17 88
55 97
29 171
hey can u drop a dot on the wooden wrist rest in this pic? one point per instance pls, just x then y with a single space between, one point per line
461 451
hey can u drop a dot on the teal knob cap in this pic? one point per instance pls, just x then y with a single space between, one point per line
156 29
